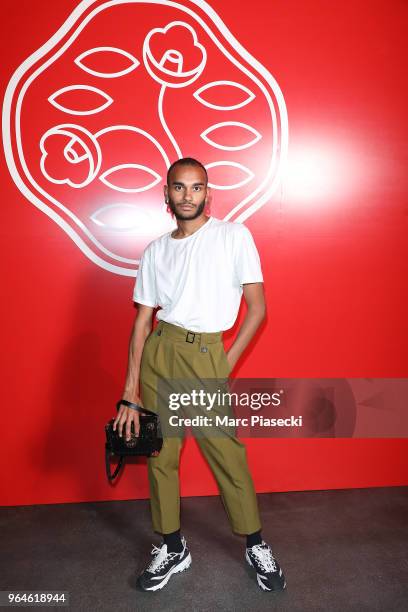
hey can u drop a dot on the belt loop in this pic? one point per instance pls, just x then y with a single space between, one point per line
203 342
159 328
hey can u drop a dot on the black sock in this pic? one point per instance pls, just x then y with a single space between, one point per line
173 541
254 538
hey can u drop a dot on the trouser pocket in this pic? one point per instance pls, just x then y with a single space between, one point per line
225 360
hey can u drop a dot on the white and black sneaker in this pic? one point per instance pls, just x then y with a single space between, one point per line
268 572
163 566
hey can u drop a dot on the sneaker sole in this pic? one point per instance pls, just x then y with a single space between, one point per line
183 565
258 578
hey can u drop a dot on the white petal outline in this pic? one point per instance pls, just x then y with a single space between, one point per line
53 99
129 189
216 126
134 63
71 155
247 171
199 91
172 55
148 57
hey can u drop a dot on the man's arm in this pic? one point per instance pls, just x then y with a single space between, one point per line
141 329
255 299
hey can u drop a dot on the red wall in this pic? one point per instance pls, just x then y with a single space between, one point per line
332 240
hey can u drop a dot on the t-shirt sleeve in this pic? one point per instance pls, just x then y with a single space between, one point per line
145 286
247 262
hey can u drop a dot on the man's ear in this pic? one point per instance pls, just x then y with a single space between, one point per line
208 196
165 189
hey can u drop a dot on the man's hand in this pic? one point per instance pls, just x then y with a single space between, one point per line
126 416
232 360
256 309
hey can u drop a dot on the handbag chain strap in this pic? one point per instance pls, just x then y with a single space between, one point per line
108 466
134 406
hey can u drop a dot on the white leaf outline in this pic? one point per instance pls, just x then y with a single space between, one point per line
216 126
146 214
114 169
199 91
247 171
53 99
136 130
107 75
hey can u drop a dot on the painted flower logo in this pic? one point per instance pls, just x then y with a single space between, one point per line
93 119
173 56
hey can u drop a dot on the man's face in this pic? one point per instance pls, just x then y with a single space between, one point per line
187 192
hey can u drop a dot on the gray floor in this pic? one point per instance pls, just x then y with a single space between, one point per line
340 550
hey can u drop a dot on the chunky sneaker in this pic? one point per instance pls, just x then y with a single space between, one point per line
160 569
268 572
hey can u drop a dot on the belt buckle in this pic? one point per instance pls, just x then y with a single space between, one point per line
190 334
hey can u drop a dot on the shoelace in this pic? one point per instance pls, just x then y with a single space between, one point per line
263 553
162 557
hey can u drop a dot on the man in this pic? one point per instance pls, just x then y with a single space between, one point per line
196 275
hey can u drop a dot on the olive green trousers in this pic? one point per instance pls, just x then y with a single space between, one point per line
172 352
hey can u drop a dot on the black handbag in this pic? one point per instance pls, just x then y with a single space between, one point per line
147 444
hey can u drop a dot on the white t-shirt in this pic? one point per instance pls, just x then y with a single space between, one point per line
197 281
